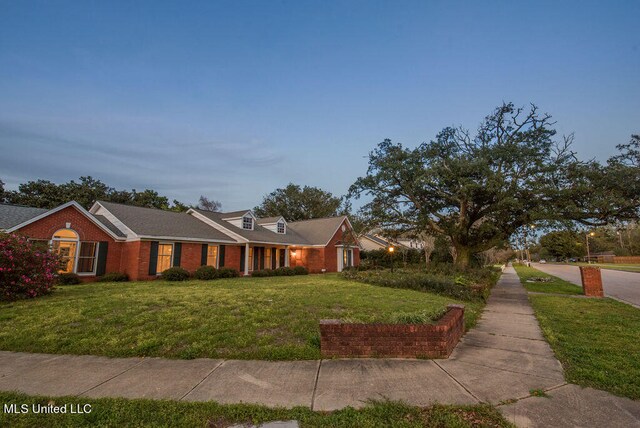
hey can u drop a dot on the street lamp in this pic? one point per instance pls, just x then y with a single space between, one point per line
589 252
526 244
391 250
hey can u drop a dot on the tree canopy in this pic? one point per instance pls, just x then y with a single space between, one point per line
478 190
46 194
299 203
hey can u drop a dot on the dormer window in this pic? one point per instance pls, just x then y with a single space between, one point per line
247 223
281 228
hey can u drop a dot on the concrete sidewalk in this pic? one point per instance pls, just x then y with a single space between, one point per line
499 361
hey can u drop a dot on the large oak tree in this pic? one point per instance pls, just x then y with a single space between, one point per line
478 190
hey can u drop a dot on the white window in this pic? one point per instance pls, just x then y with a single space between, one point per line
247 223
87 257
281 228
165 256
65 245
212 255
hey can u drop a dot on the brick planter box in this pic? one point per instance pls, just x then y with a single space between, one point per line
438 340
591 281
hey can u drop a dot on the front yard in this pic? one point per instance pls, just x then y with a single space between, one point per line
242 318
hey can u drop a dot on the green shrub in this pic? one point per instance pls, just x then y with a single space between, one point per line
206 273
260 273
175 274
300 270
113 277
68 279
284 271
423 317
466 286
226 272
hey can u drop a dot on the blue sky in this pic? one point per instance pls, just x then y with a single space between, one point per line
233 99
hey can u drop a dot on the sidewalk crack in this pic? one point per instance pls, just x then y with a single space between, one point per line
203 379
112 377
315 385
458 382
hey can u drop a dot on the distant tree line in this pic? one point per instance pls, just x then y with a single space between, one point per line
46 194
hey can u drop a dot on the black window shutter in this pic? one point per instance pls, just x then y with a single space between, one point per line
221 256
205 252
273 258
102 258
242 252
282 261
177 254
153 258
262 250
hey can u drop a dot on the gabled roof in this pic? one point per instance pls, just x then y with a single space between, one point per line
13 215
160 224
378 240
317 231
259 233
271 220
73 204
234 214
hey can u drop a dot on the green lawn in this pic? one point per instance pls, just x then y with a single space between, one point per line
243 318
555 285
596 340
148 413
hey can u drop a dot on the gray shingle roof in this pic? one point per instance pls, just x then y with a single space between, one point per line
317 231
102 219
377 240
158 223
267 220
13 215
259 233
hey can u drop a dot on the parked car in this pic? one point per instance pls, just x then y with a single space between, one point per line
543 261
572 260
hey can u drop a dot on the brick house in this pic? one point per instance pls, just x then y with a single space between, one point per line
143 242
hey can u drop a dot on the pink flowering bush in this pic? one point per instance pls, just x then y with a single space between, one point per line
26 270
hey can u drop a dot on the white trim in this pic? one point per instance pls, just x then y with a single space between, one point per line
338 228
217 266
95 259
99 209
246 259
173 254
239 239
60 208
179 239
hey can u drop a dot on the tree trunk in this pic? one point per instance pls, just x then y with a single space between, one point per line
463 257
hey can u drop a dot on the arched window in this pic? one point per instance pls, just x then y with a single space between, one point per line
65 244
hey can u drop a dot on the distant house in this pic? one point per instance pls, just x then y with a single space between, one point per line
373 241
143 242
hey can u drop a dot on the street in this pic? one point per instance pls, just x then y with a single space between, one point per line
621 285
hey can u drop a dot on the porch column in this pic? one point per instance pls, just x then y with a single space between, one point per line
246 259
286 256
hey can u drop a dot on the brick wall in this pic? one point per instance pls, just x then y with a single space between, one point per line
191 256
591 281
86 230
232 257
338 339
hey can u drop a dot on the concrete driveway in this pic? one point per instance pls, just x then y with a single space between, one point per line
621 285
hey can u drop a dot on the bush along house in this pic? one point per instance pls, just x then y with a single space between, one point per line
143 242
